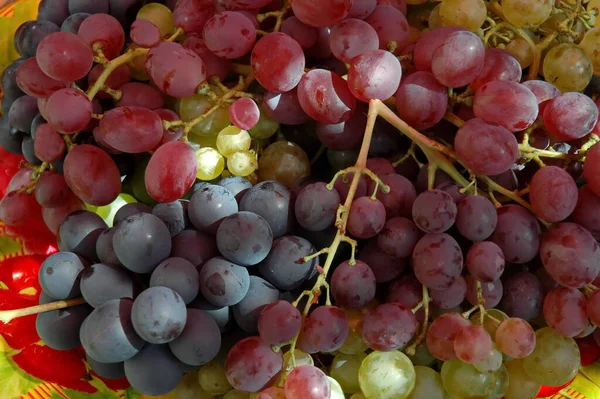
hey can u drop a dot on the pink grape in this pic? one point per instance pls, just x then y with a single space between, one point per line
565 310
366 217
143 95
399 201
570 116
116 79
171 171
316 207
523 296
437 261
321 48
434 211
175 70
388 327
342 186
515 338
362 9
284 107
441 335
192 15
485 261
587 211
229 35
542 90
305 35
319 14
591 169
130 129
391 26
553 194
215 66
18 208
374 75
278 62
48 144
421 101
325 96
593 308
476 218
399 4
492 292
353 286
251 364
351 38
244 4
104 32
144 33
279 322
498 65
452 296
324 330
428 43
34 82
244 113
570 255
473 344
92 175
345 135
385 268
458 60
517 233
406 291
64 56
51 190
69 111
307 382
398 237
508 104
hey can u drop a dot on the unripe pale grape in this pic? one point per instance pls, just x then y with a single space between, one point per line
591 45
159 15
464 381
194 106
213 379
344 368
527 13
242 163
210 163
232 139
386 375
521 50
568 67
428 384
520 385
491 363
468 14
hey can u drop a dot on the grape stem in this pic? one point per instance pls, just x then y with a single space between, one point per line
7 315
411 350
277 14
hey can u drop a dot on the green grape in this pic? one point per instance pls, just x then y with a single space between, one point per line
428 384
235 394
500 384
435 19
213 379
386 375
521 50
358 395
344 368
233 139
555 359
192 107
520 386
189 388
489 324
264 128
242 163
210 163
204 141
591 45
568 67
422 356
109 211
353 344
336 389
468 14
464 381
302 359
492 363
527 13
159 15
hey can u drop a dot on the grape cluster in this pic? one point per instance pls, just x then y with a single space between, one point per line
313 199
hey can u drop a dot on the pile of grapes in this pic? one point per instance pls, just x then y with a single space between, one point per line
313 199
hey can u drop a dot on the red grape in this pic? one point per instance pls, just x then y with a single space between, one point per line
388 327
459 59
374 75
324 330
434 211
366 217
553 194
279 322
353 286
18 208
49 145
352 37
492 292
476 218
171 171
140 95
104 32
305 35
565 310
116 79
385 267
229 35
130 129
192 15
391 26
452 296
283 107
321 14
325 96
399 237
442 333
473 344
64 56
278 62
362 9
591 169
144 33
437 261
307 382
51 190
517 233
498 65
215 66
570 116
421 101
485 261
251 364
515 338
428 43
33 81
69 110
587 211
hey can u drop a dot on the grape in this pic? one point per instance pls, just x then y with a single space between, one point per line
237 185
570 255
285 267
284 108
119 341
117 79
54 11
135 94
399 237
520 386
213 379
565 311
158 315
437 261
458 60
491 363
316 207
279 323
244 113
78 233
28 150
29 35
442 333
315 13
106 370
305 35
59 329
476 218
515 338
353 286
191 15
215 66
522 296
159 15
194 246
129 210
210 163
270 200
141 242
384 267
553 194
388 327
229 35
278 62
568 67
428 43
69 110
223 283
344 368
325 96
428 384
366 217
555 359
386 375
307 382
222 316
89 6
73 22
491 292
209 206
175 70
53 217
154 371
51 190
130 129
242 163
352 37
344 135
570 116
543 90
421 101
285 162
399 201
472 344
463 380
244 238
60 273
469 15
64 56
527 14
517 233
22 112
232 139
10 86
499 65
101 283
174 215
591 172
324 330
251 364
589 44
485 261
49 146
434 211
144 33
171 171
103 32
452 296
200 340
374 75
247 311
586 211
179 275
362 9
391 26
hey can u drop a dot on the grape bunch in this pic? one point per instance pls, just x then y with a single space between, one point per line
310 199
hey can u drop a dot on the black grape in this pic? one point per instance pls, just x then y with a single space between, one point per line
223 283
73 22
244 238
220 315
79 232
104 248
59 329
129 210
101 283
89 6
195 246
200 340
260 294
29 152
60 273
209 206
55 11
29 37
107 370
10 88
174 215
10 139
237 185
271 200
179 275
158 315
22 112
154 371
